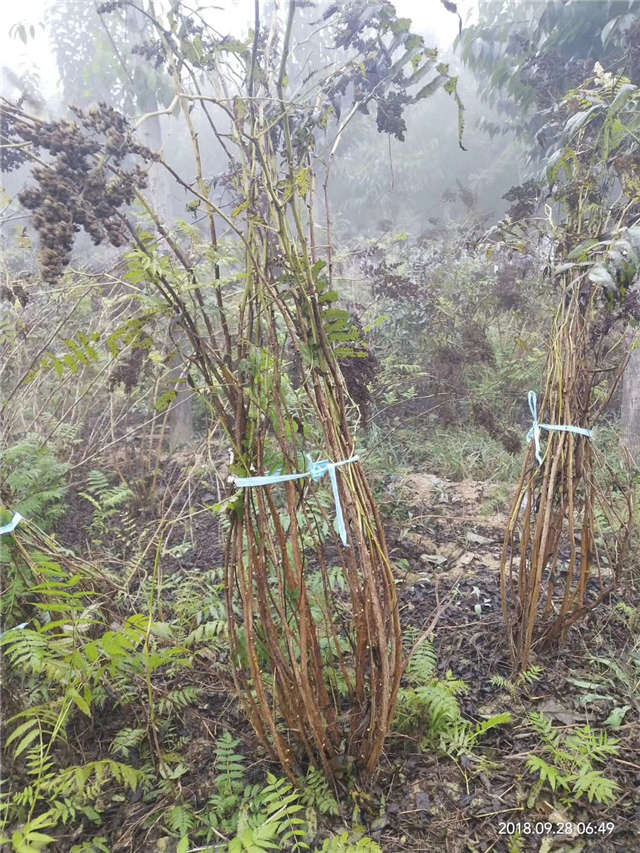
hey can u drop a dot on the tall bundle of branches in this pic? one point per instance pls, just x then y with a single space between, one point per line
564 527
313 621
293 626
571 516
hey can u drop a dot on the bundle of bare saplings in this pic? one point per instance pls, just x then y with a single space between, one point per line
568 532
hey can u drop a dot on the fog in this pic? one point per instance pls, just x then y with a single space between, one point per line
379 183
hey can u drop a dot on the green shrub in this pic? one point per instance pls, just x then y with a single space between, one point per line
33 481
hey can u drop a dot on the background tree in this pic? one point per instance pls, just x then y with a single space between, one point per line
100 58
527 56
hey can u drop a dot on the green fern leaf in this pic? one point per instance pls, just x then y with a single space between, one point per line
491 723
596 786
180 819
547 773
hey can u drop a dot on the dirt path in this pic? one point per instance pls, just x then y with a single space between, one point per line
447 547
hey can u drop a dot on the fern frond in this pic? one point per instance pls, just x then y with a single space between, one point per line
532 674
491 723
547 773
97 482
206 632
543 726
515 843
593 746
421 667
280 803
502 683
455 740
343 844
596 786
177 700
180 818
126 740
116 497
230 765
317 794
573 756
441 705
258 839
34 482
99 844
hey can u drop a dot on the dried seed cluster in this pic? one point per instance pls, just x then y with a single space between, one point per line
82 178
13 293
128 370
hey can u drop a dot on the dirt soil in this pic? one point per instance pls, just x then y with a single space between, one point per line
449 545
445 539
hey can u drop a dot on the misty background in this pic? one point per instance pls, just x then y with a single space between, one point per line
62 53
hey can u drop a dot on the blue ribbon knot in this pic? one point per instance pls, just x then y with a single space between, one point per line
536 426
19 627
318 469
316 472
11 526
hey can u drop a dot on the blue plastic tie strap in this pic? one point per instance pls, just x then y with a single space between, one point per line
316 471
534 431
15 628
9 528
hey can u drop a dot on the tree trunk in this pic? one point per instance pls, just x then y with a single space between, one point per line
630 416
180 419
